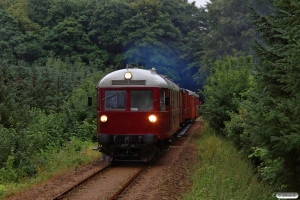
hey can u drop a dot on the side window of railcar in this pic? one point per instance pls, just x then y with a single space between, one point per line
115 99
141 100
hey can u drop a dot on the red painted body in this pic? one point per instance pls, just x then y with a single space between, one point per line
128 127
183 106
127 122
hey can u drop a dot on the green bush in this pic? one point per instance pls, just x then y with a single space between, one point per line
224 89
51 122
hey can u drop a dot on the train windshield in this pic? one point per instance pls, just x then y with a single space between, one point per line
115 99
141 100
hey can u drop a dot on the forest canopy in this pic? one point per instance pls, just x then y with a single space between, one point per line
148 33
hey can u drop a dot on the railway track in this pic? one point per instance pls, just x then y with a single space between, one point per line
129 182
145 168
124 185
63 194
109 166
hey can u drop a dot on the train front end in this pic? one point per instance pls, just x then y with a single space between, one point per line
131 110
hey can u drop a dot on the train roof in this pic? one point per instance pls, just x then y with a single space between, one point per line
140 78
191 93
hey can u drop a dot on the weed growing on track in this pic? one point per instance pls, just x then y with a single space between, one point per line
223 173
53 162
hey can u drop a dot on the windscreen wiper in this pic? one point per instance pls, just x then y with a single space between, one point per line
109 97
149 104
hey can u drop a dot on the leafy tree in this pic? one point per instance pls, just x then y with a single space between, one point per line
68 39
192 52
19 11
9 34
273 114
7 107
229 28
187 17
30 48
224 89
24 46
49 90
38 11
13 113
59 10
80 119
151 38
105 23
102 20
105 33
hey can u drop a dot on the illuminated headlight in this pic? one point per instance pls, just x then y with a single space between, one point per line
103 118
152 118
128 75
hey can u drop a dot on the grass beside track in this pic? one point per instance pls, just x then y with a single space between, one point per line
223 173
54 163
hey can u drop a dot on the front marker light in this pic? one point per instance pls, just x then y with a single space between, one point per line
128 75
103 118
152 118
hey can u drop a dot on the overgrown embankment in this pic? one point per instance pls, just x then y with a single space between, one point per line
45 123
52 162
223 173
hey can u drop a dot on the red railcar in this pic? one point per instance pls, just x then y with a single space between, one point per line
138 111
184 99
193 101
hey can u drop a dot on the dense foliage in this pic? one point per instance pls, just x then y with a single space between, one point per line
262 116
273 113
228 29
224 89
42 107
149 33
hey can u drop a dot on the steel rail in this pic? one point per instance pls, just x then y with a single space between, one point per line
126 185
63 194
129 182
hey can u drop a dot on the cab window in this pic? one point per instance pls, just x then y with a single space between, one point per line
141 100
115 100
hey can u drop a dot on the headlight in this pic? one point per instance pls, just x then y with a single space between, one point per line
128 75
103 118
152 118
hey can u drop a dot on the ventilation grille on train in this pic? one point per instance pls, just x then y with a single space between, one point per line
128 82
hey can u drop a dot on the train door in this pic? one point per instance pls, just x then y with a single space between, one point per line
162 100
164 111
174 110
171 110
167 108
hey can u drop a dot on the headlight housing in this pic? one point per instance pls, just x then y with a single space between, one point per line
103 118
128 75
152 118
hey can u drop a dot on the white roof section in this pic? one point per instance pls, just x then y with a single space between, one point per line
140 78
191 93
